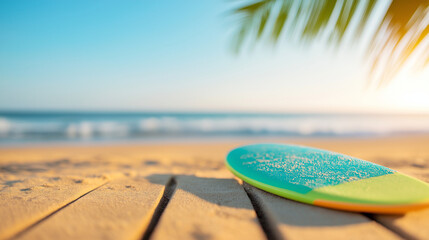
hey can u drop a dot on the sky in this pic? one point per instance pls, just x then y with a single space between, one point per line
168 55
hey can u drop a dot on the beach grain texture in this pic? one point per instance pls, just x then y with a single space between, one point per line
184 191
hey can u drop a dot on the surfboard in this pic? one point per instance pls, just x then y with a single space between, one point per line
327 179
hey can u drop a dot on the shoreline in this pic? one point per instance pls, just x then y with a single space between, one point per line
205 140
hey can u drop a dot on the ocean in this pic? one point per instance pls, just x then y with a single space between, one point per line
83 127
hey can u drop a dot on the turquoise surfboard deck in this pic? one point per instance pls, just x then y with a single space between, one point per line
327 179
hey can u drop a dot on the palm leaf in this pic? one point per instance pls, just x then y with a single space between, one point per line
271 16
281 20
321 13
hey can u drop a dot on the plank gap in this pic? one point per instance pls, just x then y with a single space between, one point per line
54 212
268 225
169 190
396 231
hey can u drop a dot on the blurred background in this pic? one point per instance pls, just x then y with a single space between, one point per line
124 71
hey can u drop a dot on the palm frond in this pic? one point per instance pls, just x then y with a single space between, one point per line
401 40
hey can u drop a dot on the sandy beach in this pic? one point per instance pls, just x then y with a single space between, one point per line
116 118
114 191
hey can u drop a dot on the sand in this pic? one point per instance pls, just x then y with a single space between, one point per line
184 191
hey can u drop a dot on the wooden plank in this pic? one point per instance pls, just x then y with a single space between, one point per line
24 201
208 208
407 155
302 221
120 209
412 225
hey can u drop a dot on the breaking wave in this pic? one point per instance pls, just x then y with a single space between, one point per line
50 126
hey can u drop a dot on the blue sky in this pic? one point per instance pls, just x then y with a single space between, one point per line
174 56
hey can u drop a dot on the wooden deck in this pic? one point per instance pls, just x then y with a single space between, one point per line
181 192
